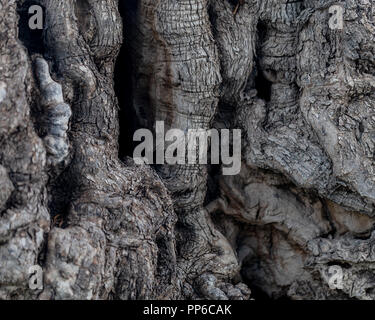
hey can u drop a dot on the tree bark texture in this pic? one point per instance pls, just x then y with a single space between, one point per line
101 227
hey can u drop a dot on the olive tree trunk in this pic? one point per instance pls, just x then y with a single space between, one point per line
299 86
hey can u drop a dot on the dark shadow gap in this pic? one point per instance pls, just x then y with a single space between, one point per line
262 85
123 81
31 39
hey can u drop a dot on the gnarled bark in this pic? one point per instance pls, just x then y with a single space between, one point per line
102 227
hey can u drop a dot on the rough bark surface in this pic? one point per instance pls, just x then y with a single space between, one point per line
102 227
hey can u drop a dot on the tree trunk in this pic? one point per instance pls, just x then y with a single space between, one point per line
73 201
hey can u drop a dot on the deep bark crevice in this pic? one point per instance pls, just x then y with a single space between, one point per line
31 39
124 80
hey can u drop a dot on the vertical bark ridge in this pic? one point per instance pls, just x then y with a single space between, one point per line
110 242
24 218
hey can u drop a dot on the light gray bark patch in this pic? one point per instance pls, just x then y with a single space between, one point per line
56 114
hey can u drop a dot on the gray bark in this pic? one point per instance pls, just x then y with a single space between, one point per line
102 227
